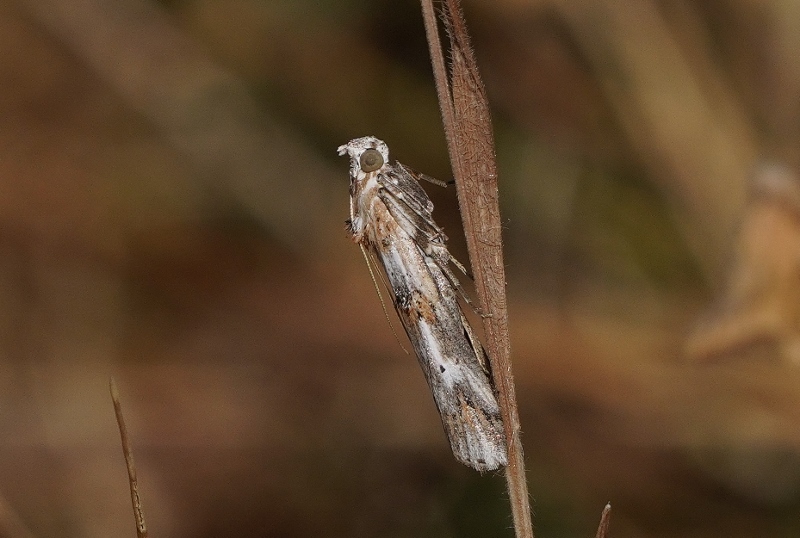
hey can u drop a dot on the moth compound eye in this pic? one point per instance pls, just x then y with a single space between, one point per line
371 160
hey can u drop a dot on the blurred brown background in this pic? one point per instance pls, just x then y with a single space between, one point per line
171 213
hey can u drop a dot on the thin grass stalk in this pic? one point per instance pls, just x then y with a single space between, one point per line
470 142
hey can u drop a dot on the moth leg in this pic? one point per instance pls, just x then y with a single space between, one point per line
417 175
480 353
423 224
432 240
460 266
451 277
407 193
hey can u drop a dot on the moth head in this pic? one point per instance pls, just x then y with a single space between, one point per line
367 154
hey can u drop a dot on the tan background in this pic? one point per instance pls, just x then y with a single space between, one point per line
171 213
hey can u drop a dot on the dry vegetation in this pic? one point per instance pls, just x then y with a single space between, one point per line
171 212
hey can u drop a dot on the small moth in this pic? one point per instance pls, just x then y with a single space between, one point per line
390 219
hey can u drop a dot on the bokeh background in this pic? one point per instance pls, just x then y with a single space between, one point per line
172 214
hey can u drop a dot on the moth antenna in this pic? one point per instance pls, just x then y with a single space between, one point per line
372 263
380 298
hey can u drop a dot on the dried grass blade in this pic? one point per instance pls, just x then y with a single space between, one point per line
468 128
604 529
138 513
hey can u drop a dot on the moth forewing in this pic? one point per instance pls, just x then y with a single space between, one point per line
390 216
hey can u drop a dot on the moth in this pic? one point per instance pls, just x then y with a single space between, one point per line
390 219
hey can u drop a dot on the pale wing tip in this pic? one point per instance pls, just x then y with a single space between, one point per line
491 463
475 431
480 451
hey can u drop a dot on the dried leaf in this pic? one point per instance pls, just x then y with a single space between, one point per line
761 302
